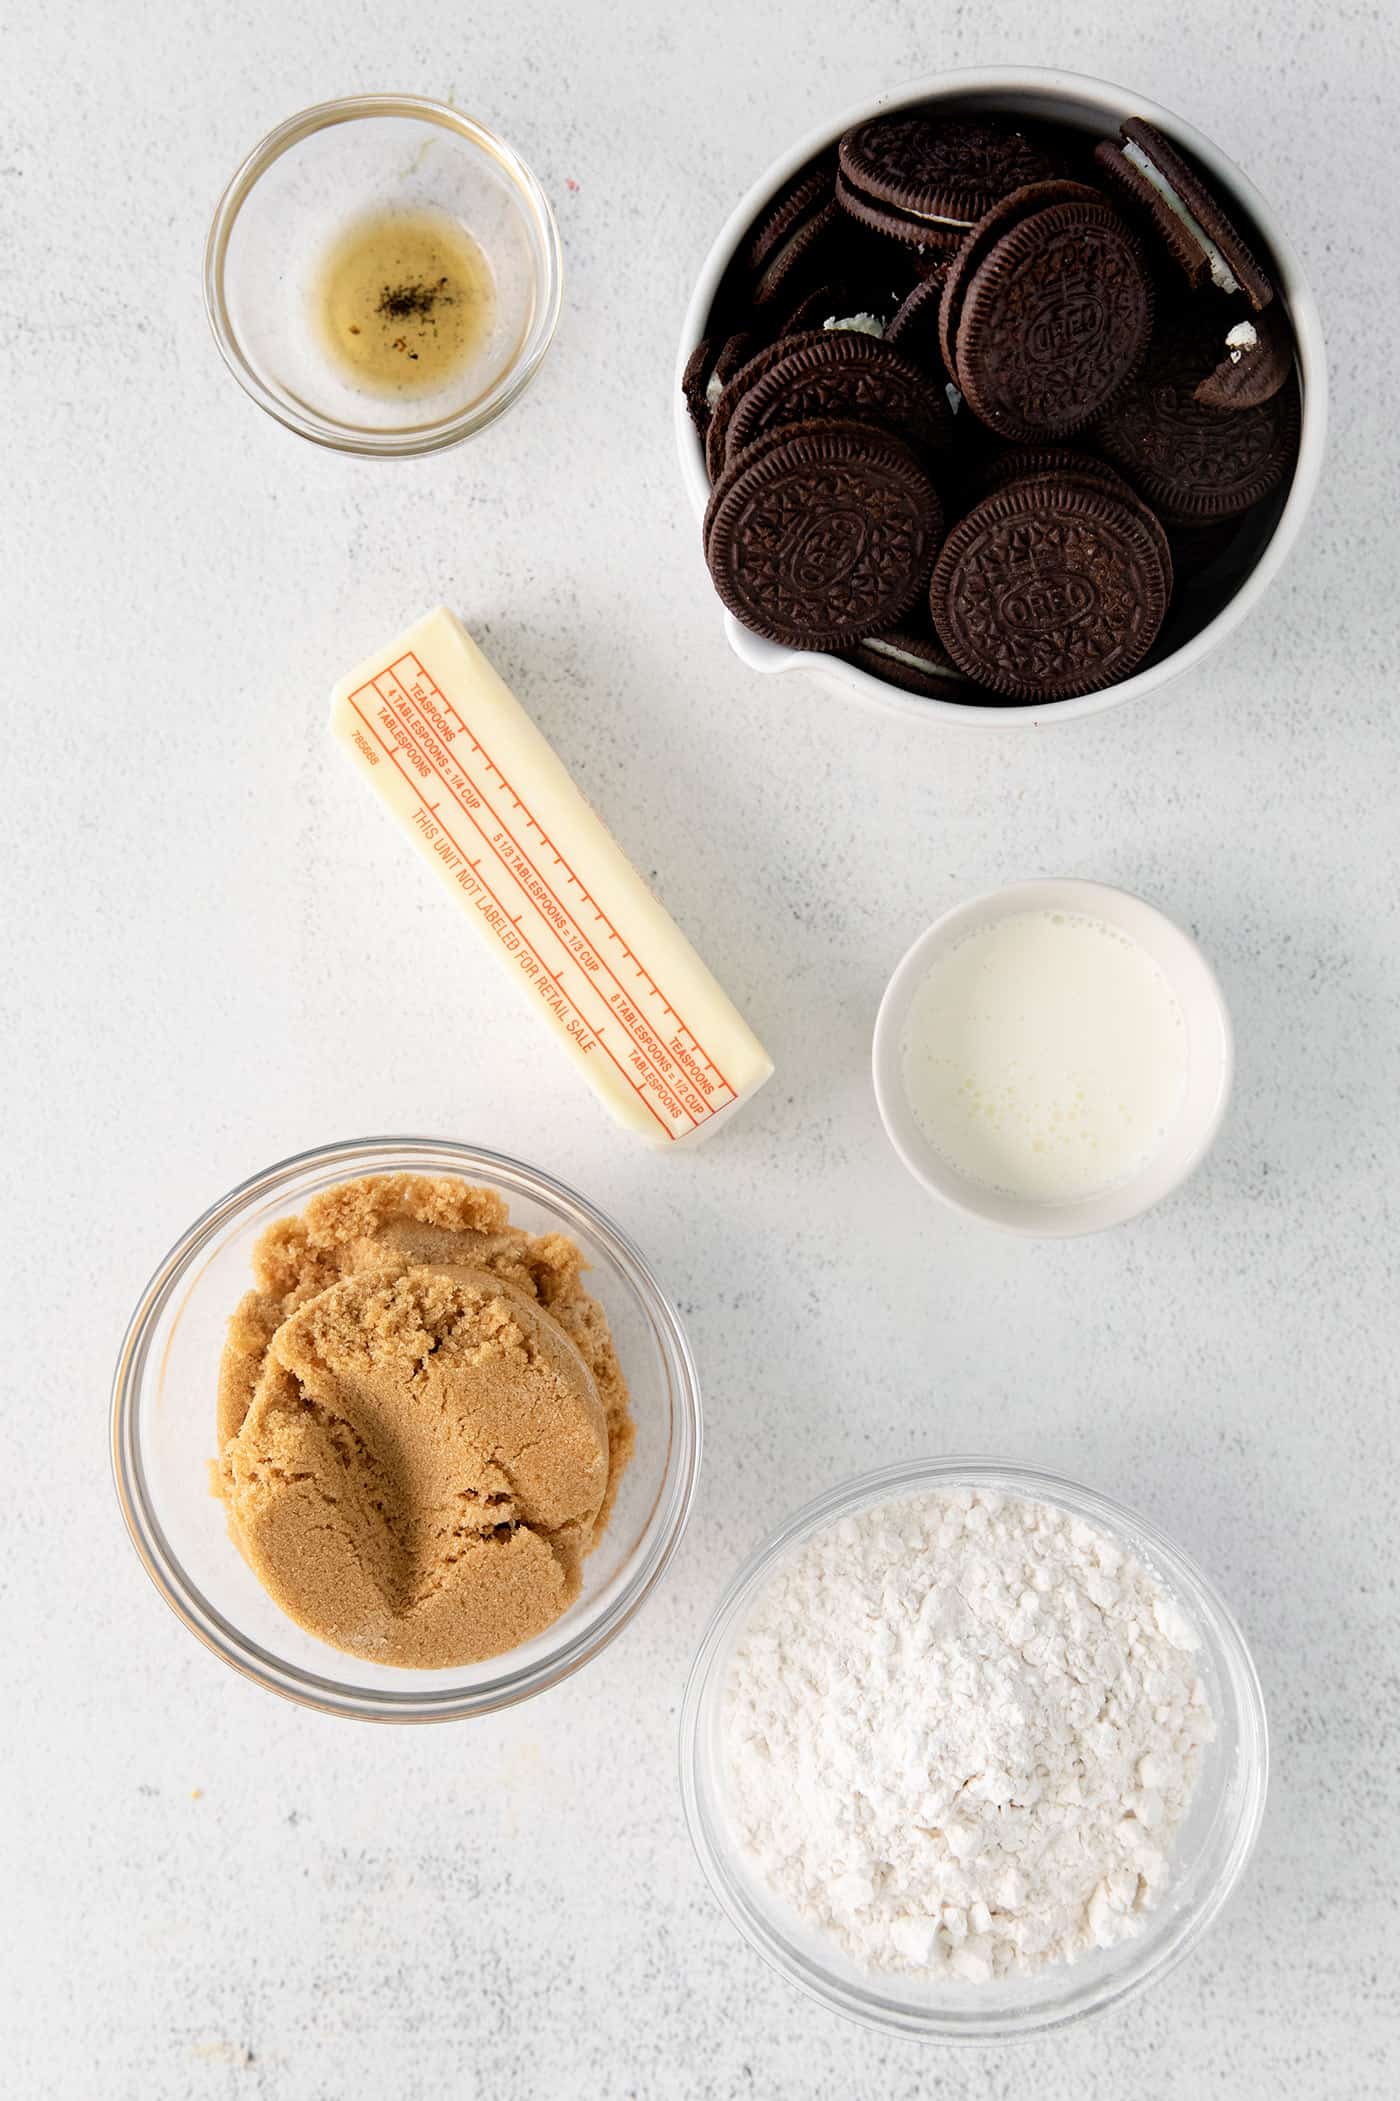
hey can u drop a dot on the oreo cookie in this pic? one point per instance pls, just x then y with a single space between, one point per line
926 180
695 384
1185 213
734 352
1047 312
731 394
708 367
1093 473
846 375
905 657
1176 199
1050 587
913 327
1257 363
1020 462
1192 462
784 244
822 533
978 243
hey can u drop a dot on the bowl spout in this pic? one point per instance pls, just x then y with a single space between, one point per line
755 652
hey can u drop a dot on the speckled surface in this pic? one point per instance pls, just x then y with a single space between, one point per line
210 1894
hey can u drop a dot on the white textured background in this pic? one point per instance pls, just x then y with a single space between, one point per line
210 935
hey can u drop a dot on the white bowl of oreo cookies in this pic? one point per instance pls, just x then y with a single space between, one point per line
1002 398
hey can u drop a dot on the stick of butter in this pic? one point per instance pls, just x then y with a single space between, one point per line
457 761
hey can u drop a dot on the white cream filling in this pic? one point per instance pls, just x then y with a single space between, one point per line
1243 336
858 324
907 657
907 212
714 387
932 219
1220 270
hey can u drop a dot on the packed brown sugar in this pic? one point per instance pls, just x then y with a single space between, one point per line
422 1422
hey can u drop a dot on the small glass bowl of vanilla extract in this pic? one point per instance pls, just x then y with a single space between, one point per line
383 275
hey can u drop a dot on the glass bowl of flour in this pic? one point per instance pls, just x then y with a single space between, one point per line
969 1751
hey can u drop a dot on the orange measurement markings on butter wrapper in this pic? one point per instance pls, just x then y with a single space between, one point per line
535 903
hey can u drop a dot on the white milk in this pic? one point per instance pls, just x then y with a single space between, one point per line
1045 1056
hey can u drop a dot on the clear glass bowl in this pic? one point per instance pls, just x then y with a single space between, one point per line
163 1438
286 205
1211 1850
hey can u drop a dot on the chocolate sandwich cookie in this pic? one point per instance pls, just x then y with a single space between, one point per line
695 383
981 239
1049 588
904 657
710 364
925 239
843 374
1046 313
734 351
913 327
786 240
925 180
1091 472
1172 196
822 533
1190 461
1020 462
739 377
1257 362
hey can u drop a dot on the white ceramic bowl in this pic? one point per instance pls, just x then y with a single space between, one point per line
1212 1847
1210 1058
1098 108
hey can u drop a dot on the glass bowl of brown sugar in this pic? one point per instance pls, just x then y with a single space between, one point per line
167 1403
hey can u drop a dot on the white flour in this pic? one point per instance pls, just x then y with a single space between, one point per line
961 1732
